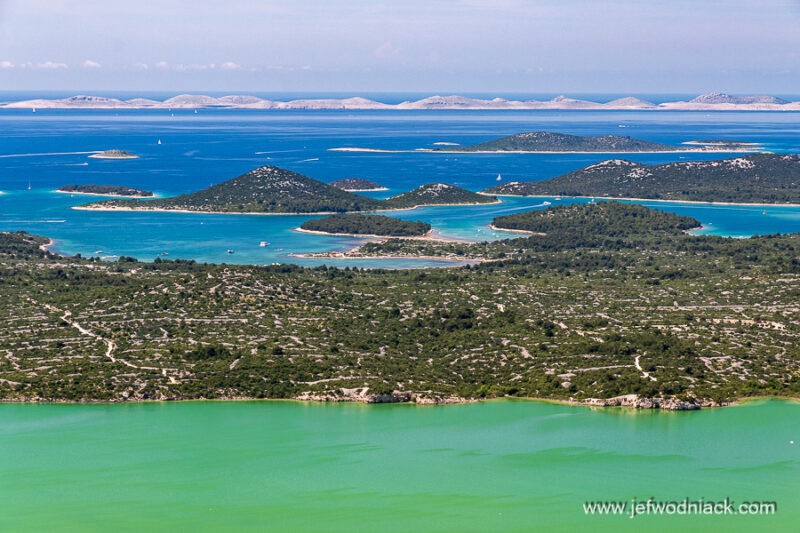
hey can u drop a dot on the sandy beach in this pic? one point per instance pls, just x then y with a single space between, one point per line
45 247
524 231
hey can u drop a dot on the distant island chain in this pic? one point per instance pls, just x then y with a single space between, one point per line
704 102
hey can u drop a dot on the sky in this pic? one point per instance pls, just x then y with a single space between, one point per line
433 46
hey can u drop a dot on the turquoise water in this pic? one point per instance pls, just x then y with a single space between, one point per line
289 466
48 149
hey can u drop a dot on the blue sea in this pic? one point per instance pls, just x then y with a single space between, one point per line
43 150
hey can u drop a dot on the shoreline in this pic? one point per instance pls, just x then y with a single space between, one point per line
46 246
192 211
322 399
523 231
101 156
433 151
366 190
59 191
746 204
345 256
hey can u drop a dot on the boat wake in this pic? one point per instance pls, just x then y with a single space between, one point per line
45 221
46 154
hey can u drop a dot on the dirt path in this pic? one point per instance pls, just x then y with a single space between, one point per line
640 369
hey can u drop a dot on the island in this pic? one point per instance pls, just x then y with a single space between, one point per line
756 178
687 320
105 190
276 190
545 141
358 185
612 219
263 190
114 154
437 194
367 225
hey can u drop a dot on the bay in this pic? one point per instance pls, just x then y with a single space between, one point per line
292 466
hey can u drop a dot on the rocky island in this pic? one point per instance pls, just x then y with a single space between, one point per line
545 141
263 190
275 190
105 190
114 154
367 225
358 185
437 194
756 178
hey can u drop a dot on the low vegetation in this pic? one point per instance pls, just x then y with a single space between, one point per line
437 194
763 178
277 190
357 184
105 190
636 306
357 224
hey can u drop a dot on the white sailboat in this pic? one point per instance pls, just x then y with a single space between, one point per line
499 177
159 141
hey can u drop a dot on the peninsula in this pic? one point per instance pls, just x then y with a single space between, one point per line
369 225
105 190
687 320
545 141
276 190
756 178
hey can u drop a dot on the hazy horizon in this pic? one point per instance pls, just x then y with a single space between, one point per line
387 97
434 47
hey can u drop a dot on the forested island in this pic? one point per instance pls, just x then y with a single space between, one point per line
375 225
276 190
604 218
687 320
358 185
105 190
114 154
545 141
755 178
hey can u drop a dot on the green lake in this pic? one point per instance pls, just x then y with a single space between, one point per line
292 466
